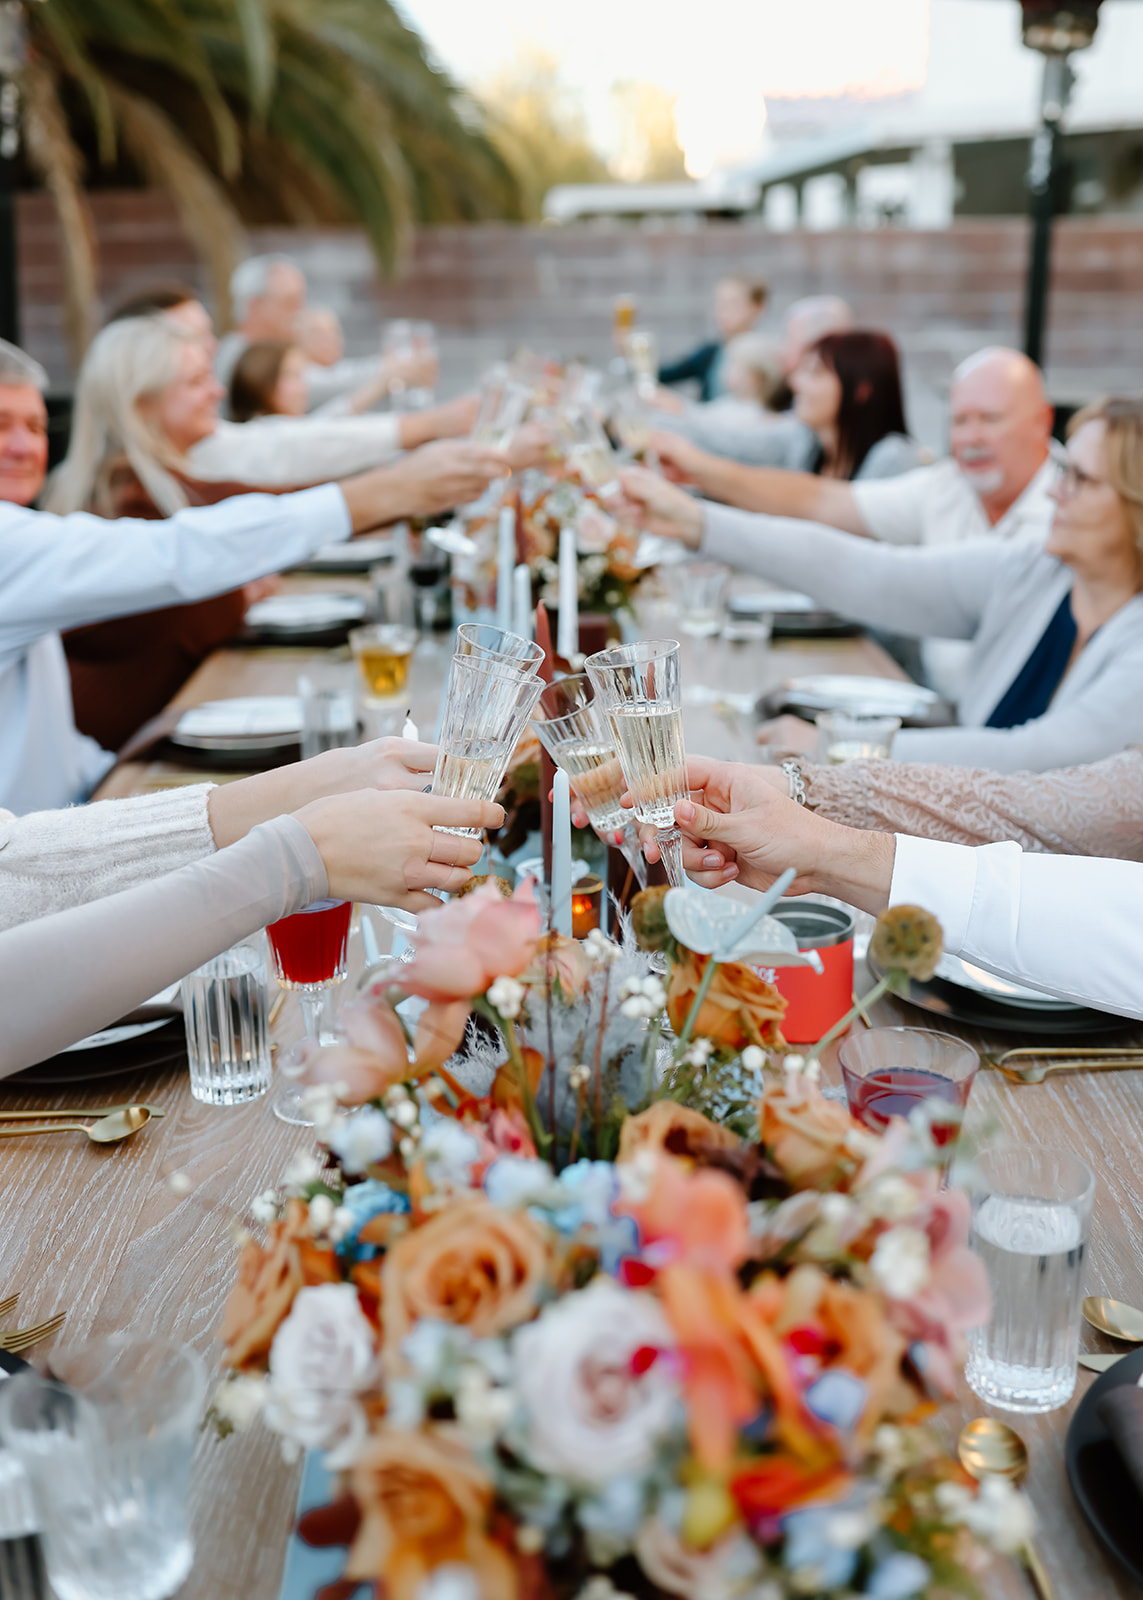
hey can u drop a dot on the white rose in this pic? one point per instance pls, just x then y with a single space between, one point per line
322 1358
900 1262
590 1414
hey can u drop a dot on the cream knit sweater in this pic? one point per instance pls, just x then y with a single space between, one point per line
52 860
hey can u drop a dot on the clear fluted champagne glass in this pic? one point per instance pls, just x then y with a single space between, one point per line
508 652
575 733
486 709
640 687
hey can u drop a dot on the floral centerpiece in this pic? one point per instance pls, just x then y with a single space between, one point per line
563 1333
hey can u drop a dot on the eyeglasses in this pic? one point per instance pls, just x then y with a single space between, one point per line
1072 479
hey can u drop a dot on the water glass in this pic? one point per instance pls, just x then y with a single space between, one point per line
107 1450
225 1013
22 1572
1031 1213
853 736
328 722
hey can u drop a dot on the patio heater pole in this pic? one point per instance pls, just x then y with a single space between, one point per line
1054 28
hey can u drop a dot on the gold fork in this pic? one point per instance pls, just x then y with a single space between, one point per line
9 1304
1057 1057
17 1339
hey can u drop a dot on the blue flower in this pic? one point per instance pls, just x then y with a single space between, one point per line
807 1548
838 1397
591 1188
899 1576
516 1180
364 1201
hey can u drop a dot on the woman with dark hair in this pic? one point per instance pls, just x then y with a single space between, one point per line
269 380
847 391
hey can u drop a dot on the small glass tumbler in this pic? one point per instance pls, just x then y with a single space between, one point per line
107 1450
1031 1212
853 736
225 1012
328 720
889 1071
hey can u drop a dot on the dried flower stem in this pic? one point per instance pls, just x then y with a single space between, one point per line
597 1070
693 1015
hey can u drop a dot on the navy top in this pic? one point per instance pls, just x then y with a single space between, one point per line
1030 693
700 364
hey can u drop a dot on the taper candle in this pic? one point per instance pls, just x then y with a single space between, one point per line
505 562
567 633
561 886
522 601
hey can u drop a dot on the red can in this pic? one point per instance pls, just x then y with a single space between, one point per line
816 999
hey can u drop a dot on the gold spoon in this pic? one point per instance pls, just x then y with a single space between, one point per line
76 1111
1113 1317
991 1449
108 1130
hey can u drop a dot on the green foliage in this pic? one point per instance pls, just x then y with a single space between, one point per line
540 130
302 110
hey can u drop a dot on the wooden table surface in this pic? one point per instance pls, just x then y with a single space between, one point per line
102 1234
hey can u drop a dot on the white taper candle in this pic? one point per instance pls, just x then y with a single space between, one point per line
561 888
522 622
567 637
505 562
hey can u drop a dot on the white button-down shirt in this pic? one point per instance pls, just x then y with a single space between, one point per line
61 572
1065 924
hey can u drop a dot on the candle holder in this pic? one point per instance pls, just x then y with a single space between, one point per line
587 906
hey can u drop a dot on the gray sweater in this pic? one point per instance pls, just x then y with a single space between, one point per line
1001 596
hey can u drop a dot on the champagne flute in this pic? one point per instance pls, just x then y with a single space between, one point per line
639 686
486 708
504 651
573 731
308 951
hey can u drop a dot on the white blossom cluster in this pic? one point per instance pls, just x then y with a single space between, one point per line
642 997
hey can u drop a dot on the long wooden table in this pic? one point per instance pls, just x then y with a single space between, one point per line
102 1234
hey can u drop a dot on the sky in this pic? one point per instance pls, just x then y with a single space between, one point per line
721 57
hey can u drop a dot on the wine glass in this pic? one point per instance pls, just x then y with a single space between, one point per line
639 686
572 730
309 956
486 707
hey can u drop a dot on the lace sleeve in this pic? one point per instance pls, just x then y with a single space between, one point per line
1094 810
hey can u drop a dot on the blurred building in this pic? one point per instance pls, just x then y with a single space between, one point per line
957 147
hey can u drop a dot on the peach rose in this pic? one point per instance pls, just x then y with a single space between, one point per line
424 1504
806 1137
677 1129
372 1059
471 1264
269 1277
465 945
739 1008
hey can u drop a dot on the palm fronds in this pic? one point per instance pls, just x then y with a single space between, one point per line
262 111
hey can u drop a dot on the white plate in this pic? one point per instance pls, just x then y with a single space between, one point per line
353 554
269 719
778 602
297 613
117 1035
883 697
966 976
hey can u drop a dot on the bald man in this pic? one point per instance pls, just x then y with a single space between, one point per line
996 484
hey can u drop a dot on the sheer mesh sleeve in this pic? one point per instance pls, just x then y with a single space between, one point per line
1094 810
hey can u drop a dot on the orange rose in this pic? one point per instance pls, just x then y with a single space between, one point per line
424 1503
806 1137
269 1277
666 1125
739 1008
471 1264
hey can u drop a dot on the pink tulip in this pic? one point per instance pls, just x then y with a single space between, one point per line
957 1295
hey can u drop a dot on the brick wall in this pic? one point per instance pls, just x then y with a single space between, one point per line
942 294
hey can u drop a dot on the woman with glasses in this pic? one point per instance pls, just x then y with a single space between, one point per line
1056 670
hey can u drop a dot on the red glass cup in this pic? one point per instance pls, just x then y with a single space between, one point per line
889 1071
309 955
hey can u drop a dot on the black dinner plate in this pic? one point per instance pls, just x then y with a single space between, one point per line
813 625
943 999
1099 1480
10 1364
162 1048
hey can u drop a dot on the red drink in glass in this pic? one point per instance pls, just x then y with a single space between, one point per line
309 947
889 1071
873 1100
